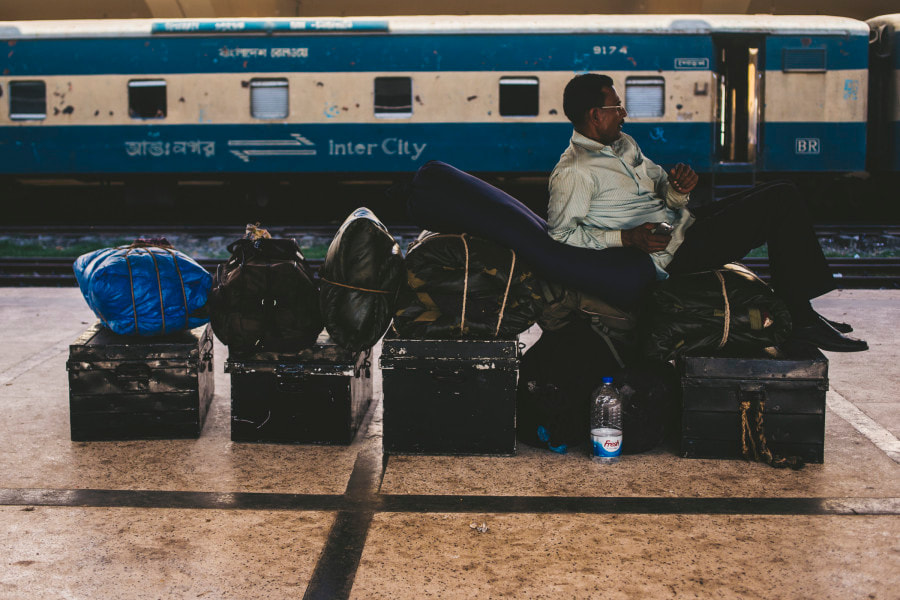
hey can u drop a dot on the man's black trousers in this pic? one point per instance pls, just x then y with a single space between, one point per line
772 213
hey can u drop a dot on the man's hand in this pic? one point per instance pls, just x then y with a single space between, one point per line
682 178
643 237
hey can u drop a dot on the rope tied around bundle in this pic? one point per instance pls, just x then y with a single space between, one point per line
753 437
512 267
353 287
462 317
148 245
727 325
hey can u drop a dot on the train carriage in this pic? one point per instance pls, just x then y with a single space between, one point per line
107 100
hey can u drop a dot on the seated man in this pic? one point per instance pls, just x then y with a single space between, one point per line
604 192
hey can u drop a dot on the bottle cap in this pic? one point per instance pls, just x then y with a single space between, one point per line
607 380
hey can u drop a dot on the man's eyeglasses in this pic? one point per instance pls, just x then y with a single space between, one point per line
617 108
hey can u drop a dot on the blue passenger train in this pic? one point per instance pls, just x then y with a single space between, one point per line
217 99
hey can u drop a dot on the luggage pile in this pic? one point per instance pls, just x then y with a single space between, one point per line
264 298
465 278
483 271
491 273
590 306
146 371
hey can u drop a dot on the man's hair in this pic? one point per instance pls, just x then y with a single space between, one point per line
583 93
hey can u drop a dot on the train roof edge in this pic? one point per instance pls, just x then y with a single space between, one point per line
439 24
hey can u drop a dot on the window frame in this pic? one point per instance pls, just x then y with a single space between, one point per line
273 83
646 81
136 84
800 60
23 116
512 82
392 114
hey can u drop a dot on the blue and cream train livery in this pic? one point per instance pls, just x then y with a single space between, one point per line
361 96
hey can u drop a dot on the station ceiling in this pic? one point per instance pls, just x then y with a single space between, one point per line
123 9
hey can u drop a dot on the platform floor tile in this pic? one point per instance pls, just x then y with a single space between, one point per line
629 556
127 553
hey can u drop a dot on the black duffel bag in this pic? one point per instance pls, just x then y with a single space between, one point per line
265 297
460 286
360 277
724 310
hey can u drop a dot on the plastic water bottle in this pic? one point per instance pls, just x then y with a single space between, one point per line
606 423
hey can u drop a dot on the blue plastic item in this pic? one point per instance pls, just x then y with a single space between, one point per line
544 436
144 290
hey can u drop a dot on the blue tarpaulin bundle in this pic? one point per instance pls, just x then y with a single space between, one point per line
144 289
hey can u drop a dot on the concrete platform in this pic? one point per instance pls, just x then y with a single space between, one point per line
209 518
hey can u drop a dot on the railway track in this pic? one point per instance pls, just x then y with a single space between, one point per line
850 273
860 273
228 232
57 272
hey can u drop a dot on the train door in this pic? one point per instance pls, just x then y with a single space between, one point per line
883 98
739 97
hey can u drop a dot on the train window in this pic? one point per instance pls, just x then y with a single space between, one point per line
393 97
803 60
27 100
519 96
645 96
147 99
269 98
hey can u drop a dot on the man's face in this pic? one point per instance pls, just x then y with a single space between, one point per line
607 120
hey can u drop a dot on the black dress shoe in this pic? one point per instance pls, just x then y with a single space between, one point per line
842 327
826 337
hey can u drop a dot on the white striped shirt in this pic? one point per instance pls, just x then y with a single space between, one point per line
596 191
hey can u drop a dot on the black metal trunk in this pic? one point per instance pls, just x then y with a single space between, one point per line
792 389
450 396
139 388
318 395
